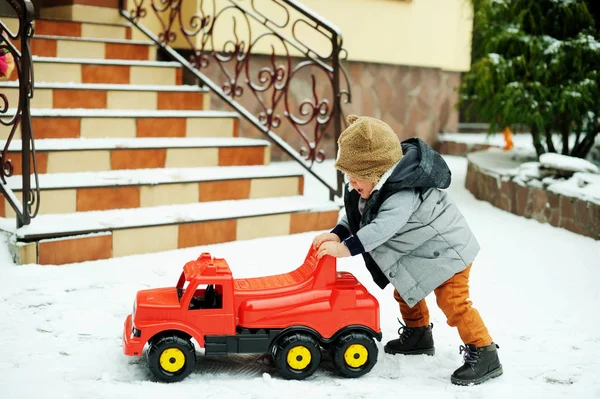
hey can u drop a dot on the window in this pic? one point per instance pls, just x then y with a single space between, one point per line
207 297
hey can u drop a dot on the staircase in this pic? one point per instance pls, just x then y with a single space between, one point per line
131 161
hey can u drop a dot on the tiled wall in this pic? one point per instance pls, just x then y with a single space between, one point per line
415 101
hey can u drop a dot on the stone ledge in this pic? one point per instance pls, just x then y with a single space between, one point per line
571 213
460 149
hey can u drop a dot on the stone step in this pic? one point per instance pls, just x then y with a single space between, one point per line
77 47
94 155
84 70
111 96
94 191
87 236
58 27
103 123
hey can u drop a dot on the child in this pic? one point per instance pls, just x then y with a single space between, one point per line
412 236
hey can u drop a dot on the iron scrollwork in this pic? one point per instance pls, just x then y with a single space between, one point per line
20 116
271 85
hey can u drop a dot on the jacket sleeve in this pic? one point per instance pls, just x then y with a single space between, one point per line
392 216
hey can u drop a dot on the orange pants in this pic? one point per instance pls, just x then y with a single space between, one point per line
452 297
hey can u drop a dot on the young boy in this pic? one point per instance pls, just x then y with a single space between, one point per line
412 236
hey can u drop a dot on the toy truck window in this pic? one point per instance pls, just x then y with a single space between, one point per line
207 297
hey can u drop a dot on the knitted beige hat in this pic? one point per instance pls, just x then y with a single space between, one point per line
367 148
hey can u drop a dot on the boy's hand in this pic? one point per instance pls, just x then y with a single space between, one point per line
321 238
335 249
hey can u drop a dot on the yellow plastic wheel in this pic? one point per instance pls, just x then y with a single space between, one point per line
356 355
299 357
172 360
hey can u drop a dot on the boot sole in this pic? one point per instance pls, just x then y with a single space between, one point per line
492 374
428 352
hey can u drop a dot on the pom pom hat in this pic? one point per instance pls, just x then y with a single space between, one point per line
367 148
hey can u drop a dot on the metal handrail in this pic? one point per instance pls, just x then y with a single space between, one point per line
22 117
311 118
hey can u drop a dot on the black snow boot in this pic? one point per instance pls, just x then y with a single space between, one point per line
412 341
481 364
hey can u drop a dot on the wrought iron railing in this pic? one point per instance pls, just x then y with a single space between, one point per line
20 116
271 86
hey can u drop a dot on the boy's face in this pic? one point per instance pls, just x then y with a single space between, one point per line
363 187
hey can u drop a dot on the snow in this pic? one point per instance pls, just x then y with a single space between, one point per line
124 113
106 86
535 286
74 223
521 140
581 185
564 162
154 176
139 142
97 61
92 39
494 57
520 166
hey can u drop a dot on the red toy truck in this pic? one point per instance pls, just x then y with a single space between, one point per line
290 316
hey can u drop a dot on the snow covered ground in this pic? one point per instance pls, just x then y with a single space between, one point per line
536 287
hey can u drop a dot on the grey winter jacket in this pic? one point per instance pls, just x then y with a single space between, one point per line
409 231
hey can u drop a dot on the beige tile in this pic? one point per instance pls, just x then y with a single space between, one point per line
167 194
192 157
63 73
60 12
152 75
209 127
108 127
96 14
75 49
27 253
42 98
82 13
72 161
144 240
152 52
268 155
280 187
12 24
102 31
206 101
10 213
132 100
12 95
263 226
58 201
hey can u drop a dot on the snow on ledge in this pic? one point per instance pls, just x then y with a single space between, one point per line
522 168
567 163
99 221
112 143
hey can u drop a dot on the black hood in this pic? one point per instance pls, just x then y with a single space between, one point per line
420 167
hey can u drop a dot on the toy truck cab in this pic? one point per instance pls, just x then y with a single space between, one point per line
290 316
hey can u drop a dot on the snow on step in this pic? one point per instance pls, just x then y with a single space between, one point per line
101 61
109 143
125 113
154 176
107 86
66 224
95 40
